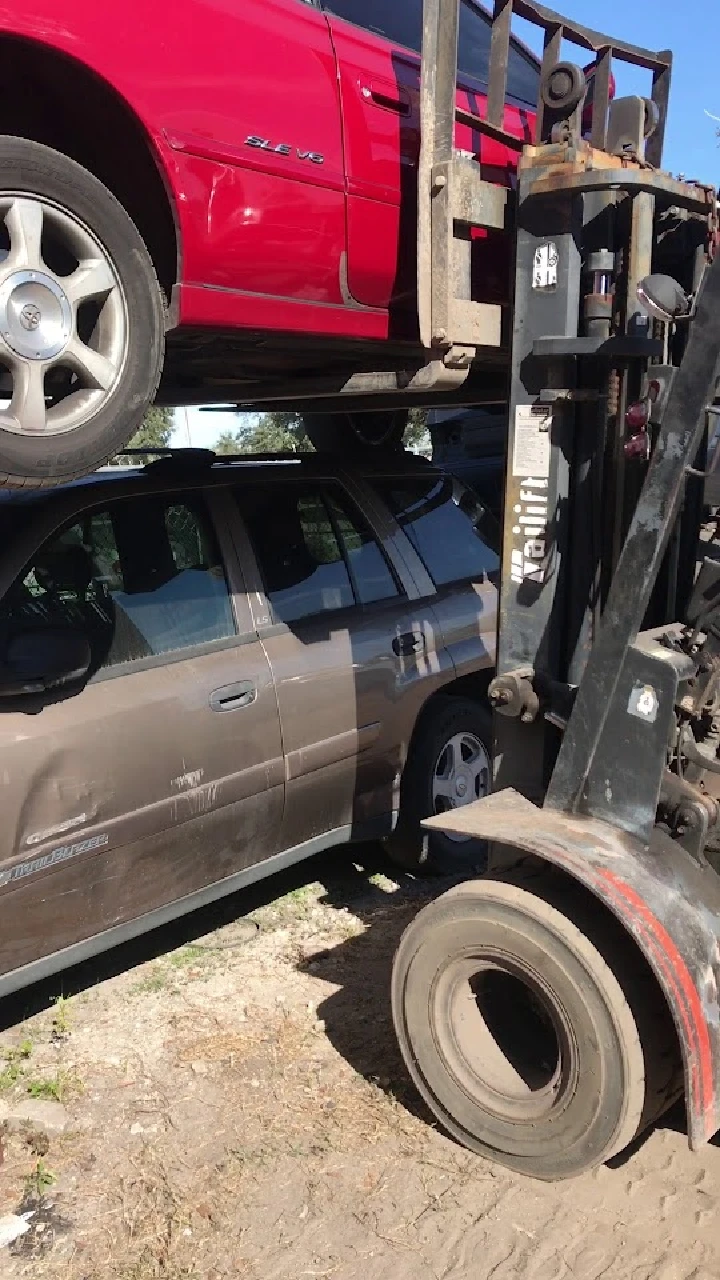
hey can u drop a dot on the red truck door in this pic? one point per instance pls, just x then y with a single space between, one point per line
377 44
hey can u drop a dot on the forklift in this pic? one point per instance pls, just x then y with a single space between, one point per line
552 1010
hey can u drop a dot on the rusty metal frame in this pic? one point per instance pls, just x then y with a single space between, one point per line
452 194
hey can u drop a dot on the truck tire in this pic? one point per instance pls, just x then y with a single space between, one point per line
449 765
521 1037
81 319
357 434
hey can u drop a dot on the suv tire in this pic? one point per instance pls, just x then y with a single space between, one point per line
451 752
357 434
81 319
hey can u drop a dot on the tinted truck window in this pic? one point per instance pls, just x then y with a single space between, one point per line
400 21
446 524
313 553
372 578
298 553
142 577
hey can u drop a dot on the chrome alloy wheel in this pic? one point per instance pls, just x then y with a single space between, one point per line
63 319
461 776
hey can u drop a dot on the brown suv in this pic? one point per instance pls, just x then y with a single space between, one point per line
210 670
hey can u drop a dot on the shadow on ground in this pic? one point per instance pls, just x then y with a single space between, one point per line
357 1015
334 869
345 874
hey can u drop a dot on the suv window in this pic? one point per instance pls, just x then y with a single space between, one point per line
142 578
314 555
447 524
401 22
372 577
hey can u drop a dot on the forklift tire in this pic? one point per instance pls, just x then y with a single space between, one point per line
82 322
357 434
518 1033
465 725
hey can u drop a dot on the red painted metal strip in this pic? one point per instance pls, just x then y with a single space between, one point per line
677 975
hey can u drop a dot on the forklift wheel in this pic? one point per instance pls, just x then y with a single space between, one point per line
517 1033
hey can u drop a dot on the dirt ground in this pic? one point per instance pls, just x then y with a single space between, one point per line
225 1102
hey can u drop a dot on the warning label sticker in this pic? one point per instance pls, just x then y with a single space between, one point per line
531 446
545 266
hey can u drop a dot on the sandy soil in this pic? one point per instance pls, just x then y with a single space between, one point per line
231 1103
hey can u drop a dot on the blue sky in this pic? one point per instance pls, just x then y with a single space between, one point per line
691 28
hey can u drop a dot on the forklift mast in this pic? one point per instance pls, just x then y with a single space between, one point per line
607 689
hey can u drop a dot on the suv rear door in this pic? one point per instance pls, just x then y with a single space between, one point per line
164 773
378 43
457 542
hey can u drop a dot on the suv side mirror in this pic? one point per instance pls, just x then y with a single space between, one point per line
37 660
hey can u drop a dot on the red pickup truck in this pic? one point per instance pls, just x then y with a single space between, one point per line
217 196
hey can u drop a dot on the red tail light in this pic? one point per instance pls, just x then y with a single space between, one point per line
637 444
637 417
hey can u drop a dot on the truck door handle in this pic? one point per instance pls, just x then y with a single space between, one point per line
231 697
386 95
407 643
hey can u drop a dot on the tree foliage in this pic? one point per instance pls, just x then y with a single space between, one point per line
265 433
285 433
154 432
417 436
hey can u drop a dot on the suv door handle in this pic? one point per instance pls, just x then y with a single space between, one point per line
231 697
387 95
407 643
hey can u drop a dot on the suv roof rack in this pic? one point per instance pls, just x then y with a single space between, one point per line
161 456
166 457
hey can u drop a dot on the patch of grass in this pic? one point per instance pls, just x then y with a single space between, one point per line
379 880
164 973
187 956
14 1069
38 1181
155 979
62 1018
57 1088
303 893
295 905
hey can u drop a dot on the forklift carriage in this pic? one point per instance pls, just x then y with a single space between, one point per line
550 1011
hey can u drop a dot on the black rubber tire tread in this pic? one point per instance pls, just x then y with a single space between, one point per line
335 433
664 1078
609 984
410 846
28 167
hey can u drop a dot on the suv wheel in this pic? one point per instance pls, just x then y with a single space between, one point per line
449 765
381 431
81 319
